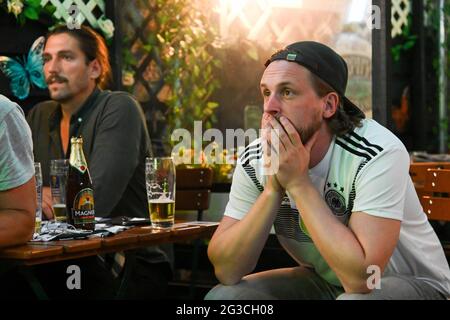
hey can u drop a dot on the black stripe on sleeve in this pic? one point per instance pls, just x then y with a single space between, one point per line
358 137
349 149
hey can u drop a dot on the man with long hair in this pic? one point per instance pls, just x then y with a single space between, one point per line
341 199
116 143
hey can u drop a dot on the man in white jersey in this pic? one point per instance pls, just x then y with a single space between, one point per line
341 202
17 185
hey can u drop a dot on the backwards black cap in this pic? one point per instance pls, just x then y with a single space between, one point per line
325 63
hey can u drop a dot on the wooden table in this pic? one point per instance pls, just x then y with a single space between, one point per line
34 253
37 253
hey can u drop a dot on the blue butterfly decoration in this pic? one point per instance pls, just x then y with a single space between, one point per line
25 72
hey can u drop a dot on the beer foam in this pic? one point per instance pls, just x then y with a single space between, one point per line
161 200
59 205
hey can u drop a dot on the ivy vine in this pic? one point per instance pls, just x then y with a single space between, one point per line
182 41
408 41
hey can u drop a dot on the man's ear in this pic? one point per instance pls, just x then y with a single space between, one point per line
95 69
331 101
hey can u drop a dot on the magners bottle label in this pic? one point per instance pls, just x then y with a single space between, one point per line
83 207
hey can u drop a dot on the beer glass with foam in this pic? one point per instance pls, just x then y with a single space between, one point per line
160 183
58 185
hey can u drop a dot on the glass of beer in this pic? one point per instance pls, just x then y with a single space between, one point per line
160 184
58 185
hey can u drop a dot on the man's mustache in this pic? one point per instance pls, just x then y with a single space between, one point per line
55 78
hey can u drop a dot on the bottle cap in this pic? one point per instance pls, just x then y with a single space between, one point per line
74 140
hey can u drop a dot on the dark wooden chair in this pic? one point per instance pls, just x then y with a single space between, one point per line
418 172
193 193
436 204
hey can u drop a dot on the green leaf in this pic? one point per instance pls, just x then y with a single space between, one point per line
196 70
395 51
33 3
160 38
409 44
212 105
151 39
147 48
31 13
50 9
21 19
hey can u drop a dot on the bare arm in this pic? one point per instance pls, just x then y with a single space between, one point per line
17 214
236 245
360 245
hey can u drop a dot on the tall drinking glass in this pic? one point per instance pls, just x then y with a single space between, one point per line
59 169
38 177
160 182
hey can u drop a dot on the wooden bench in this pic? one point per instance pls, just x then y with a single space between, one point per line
418 171
193 193
436 202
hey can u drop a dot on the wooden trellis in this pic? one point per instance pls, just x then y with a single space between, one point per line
137 19
90 10
399 16
272 23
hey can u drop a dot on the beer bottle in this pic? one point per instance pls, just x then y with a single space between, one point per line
80 196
